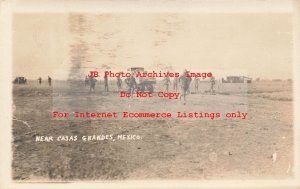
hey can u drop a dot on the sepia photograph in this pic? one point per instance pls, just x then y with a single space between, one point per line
189 92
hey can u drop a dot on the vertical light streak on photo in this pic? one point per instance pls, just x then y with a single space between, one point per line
164 31
79 48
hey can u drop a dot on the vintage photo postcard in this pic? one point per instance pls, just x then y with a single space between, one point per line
150 94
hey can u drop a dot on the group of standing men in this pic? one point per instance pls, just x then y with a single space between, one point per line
183 82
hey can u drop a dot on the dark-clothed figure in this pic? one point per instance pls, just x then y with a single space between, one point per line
40 80
131 83
92 84
167 82
212 84
49 80
86 81
175 84
105 83
184 85
119 83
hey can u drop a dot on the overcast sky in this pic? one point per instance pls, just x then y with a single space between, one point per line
258 45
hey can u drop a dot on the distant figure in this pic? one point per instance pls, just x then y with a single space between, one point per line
49 80
184 85
175 84
167 82
131 83
40 80
105 83
119 83
92 84
86 81
212 84
196 82
189 84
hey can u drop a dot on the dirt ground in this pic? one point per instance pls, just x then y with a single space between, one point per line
169 148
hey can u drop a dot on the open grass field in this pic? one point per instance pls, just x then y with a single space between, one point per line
259 147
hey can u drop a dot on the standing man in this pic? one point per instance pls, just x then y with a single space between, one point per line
119 83
105 83
184 85
167 82
131 83
92 84
196 82
175 84
40 80
212 84
49 80
86 81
